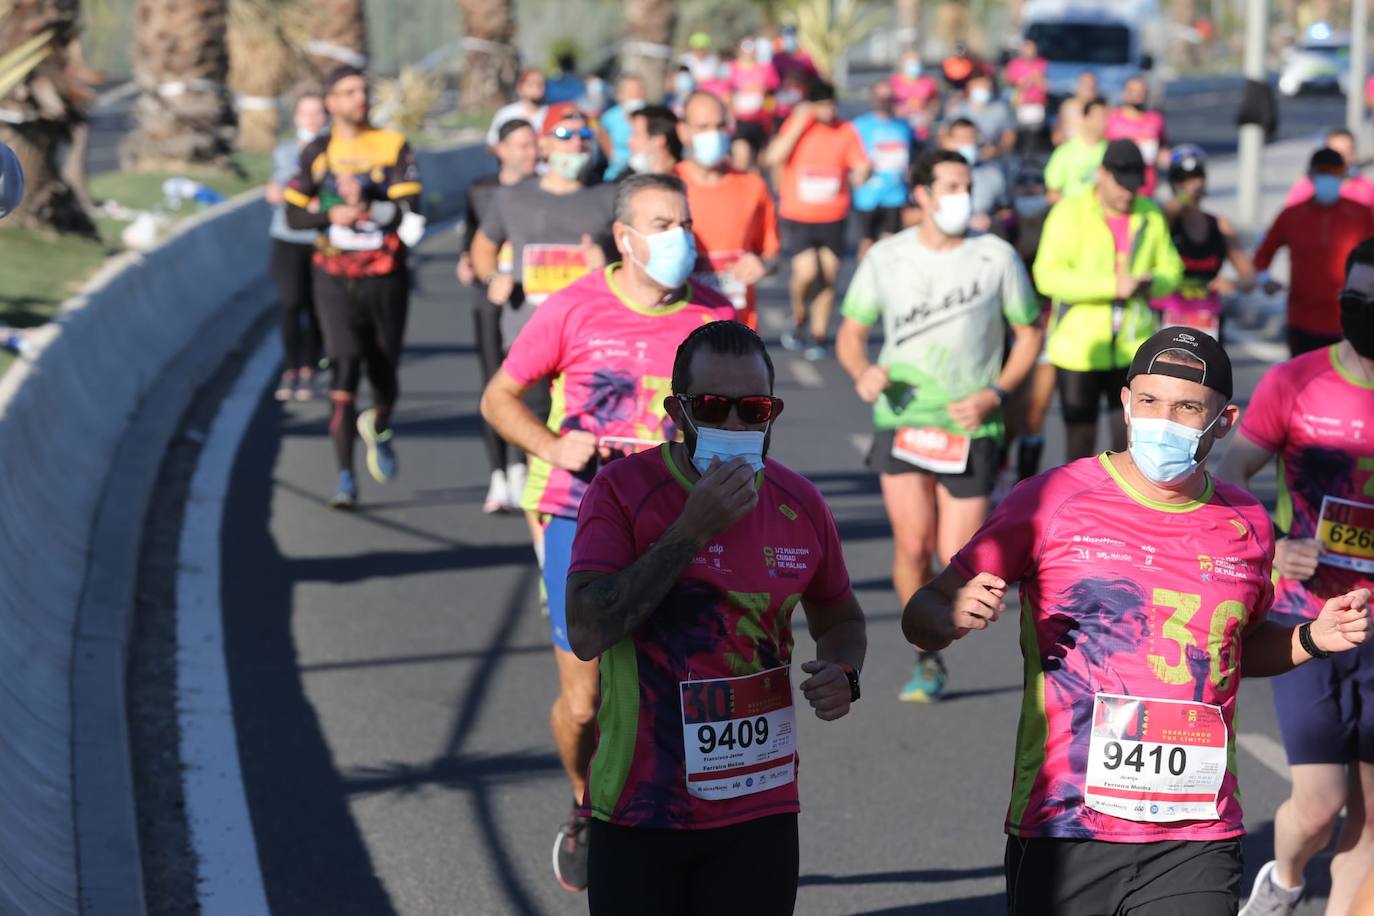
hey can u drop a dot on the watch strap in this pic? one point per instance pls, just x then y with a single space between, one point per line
853 677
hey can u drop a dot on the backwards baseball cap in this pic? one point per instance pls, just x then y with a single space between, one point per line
1153 358
560 112
1125 163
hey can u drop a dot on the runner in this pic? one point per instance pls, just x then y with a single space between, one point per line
1355 187
1103 255
1071 109
752 85
992 211
360 187
528 105
959 67
1073 165
1313 414
994 120
699 59
1132 120
1144 588
796 71
1027 75
939 383
917 94
615 123
517 148
608 342
733 219
1026 409
888 141
292 253
1319 234
655 147
667 587
1205 243
820 156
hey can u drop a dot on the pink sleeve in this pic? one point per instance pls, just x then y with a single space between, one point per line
605 539
831 581
1301 190
770 79
1009 542
538 350
1265 420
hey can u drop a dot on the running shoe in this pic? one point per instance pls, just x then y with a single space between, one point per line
498 494
570 852
286 388
516 476
794 339
816 352
1267 898
346 497
381 458
305 385
928 681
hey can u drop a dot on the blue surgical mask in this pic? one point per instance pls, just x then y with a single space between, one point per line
725 444
569 165
1165 451
980 95
969 152
911 69
710 147
1326 188
630 106
672 256
683 84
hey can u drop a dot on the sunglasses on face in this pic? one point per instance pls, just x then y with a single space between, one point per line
568 133
1355 300
753 409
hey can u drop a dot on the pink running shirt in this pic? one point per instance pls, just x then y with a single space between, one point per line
612 366
1317 416
1120 595
727 617
1147 130
750 88
1357 188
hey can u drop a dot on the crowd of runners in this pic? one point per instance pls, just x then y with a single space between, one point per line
1011 245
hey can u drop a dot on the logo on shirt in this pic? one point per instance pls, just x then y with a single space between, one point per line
786 562
788 512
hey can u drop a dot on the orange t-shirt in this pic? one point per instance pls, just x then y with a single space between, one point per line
735 215
815 180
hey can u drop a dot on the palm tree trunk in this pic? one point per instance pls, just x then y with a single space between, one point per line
184 114
489 60
338 30
45 108
648 48
909 24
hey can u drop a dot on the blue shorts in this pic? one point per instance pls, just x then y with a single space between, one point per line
558 541
1325 709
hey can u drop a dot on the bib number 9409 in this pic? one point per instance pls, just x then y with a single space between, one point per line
743 734
738 734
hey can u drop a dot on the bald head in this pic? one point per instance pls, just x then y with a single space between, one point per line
704 106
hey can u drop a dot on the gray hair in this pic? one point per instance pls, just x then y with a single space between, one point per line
628 187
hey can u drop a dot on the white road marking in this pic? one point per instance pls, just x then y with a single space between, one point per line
805 374
1244 344
1266 750
229 877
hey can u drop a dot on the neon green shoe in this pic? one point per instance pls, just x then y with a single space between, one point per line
381 459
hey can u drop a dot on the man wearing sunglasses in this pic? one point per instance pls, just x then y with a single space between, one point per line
688 563
1314 413
607 341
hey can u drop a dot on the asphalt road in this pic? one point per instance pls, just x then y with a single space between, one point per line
391 673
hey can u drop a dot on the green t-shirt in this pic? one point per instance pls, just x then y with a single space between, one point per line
1073 166
942 323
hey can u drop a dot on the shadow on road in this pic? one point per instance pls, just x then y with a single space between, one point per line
916 876
965 906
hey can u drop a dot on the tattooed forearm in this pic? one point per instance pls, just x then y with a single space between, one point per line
604 609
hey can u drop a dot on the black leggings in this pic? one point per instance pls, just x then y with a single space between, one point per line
1081 393
486 324
300 326
745 868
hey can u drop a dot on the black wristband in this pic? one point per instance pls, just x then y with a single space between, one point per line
1002 393
1308 646
853 682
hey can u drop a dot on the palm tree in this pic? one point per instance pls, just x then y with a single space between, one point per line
263 61
184 115
648 48
338 30
43 85
489 59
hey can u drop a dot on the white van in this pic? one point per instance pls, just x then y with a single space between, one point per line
1114 40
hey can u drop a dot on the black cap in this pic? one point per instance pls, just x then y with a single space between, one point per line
1124 161
1215 372
1187 161
1326 160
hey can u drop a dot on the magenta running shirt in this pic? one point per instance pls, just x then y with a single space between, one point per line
1126 604
696 727
1317 416
611 363
1147 130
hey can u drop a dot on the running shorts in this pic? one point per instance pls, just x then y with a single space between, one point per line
1081 393
802 237
878 222
977 479
753 133
1092 877
362 316
558 542
1325 708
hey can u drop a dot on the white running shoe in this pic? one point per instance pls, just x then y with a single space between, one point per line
516 477
498 494
1268 899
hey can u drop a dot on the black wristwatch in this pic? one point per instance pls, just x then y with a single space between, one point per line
1308 646
853 676
1002 393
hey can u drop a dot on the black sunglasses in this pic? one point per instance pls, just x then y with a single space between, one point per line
1354 300
567 133
715 408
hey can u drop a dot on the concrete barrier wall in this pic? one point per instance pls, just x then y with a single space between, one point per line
64 412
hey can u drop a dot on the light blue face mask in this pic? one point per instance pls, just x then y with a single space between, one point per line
912 69
1326 188
569 165
725 444
710 147
672 256
1165 451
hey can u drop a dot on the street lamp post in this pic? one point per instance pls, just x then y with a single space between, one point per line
1359 63
1252 135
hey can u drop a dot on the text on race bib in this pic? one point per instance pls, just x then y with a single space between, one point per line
932 449
717 271
819 186
739 734
1346 529
546 269
365 237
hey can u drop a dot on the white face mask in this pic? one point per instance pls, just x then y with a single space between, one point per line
969 152
304 136
953 213
640 163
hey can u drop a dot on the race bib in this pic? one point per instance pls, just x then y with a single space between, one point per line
545 269
505 259
747 103
892 156
346 238
1346 528
1202 313
739 734
1149 149
818 186
716 270
1155 760
936 450
1030 115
